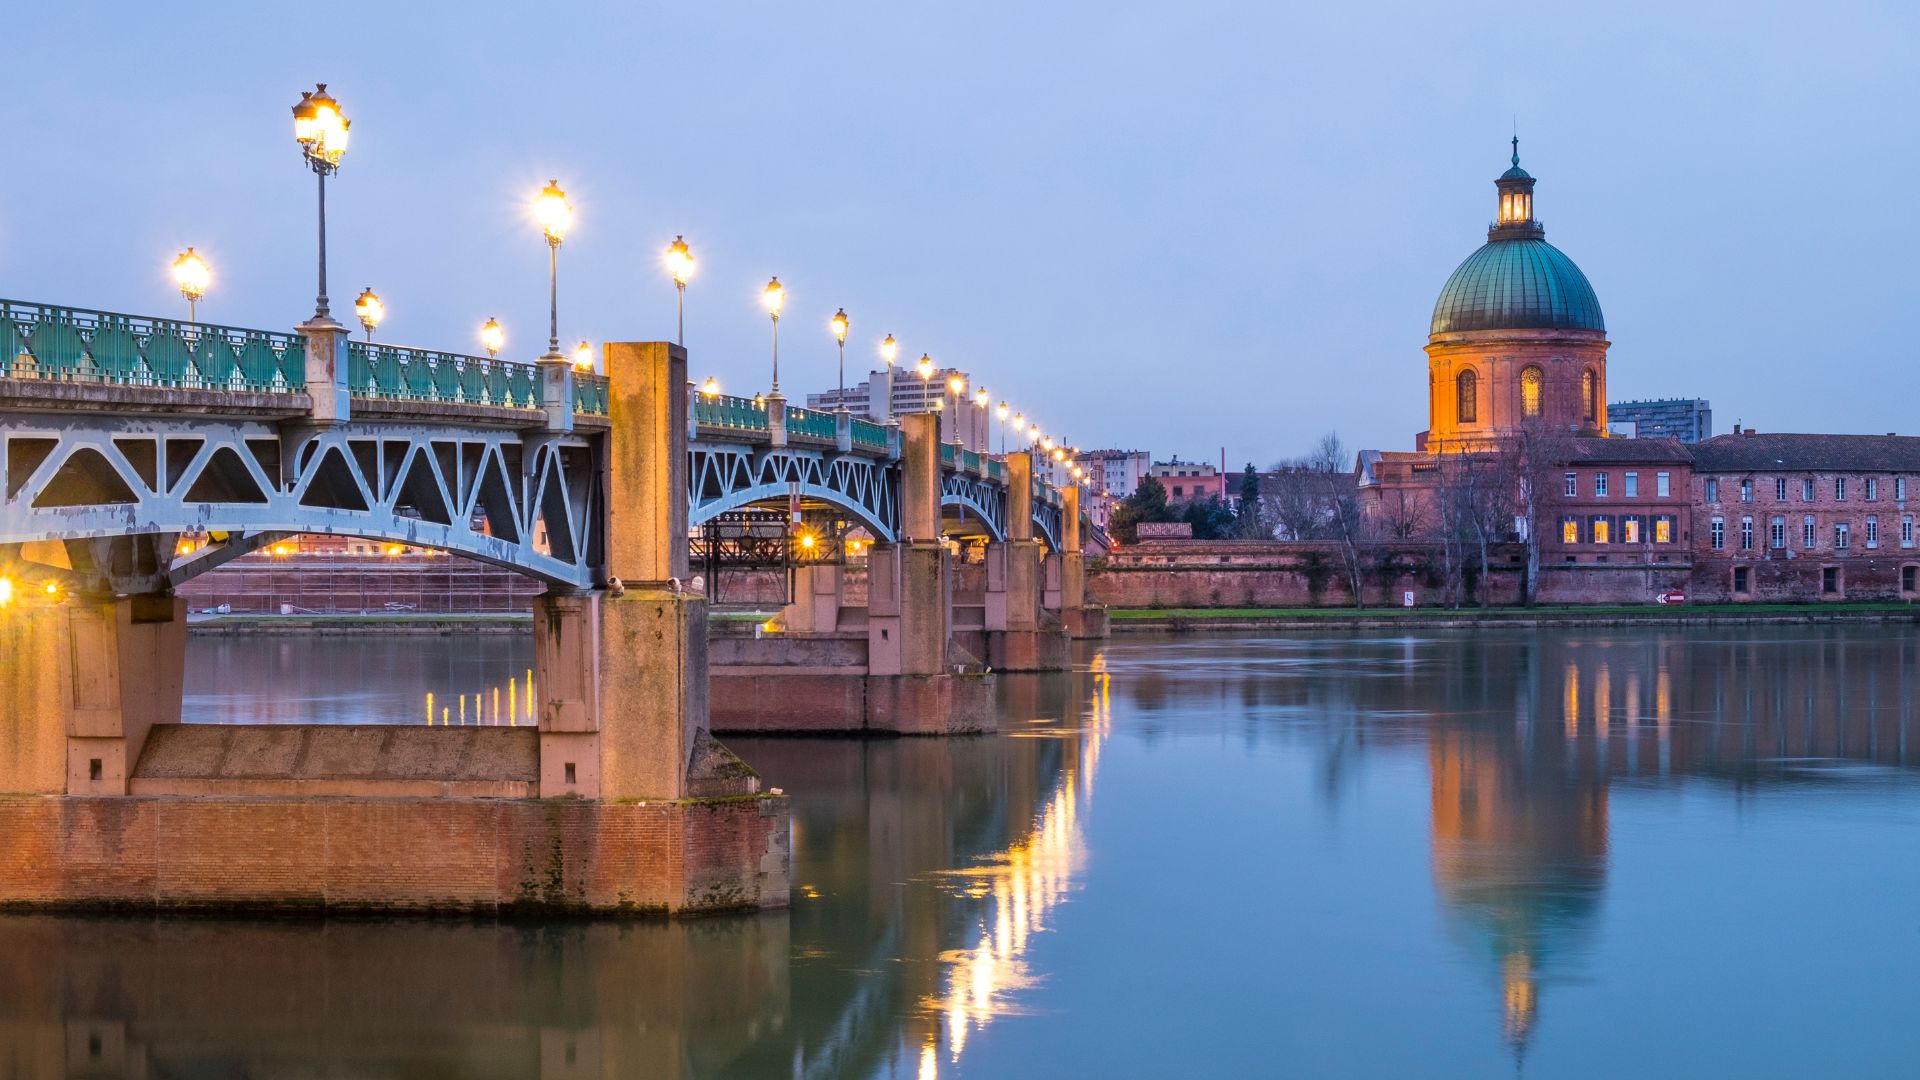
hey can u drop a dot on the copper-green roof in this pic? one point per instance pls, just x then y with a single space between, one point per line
1517 284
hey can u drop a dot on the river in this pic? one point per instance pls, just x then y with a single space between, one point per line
1562 853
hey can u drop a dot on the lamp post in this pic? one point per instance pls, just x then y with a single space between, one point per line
492 338
555 215
321 129
680 265
957 386
774 296
1001 413
710 389
839 325
889 351
370 310
583 357
191 274
980 397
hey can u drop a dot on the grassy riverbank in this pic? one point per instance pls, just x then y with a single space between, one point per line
1136 620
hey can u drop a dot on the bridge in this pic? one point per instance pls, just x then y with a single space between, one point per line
139 452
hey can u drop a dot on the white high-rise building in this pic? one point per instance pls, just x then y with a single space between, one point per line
893 392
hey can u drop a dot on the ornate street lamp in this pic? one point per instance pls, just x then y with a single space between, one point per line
839 325
680 265
889 351
1001 414
191 274
957 386
555 215
710 389
321 129
583 357
492 337
774 296
370 310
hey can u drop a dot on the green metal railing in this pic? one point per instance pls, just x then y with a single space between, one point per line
947 452
393 373
997 469
40 341
719 411
971 461
811 423
869 434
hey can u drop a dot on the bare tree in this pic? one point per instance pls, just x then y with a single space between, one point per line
1531 458
1339 495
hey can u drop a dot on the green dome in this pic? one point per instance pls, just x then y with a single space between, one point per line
1519 283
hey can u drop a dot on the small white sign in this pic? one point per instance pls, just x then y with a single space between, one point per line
1406 598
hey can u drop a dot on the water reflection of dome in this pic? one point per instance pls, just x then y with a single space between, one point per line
1519 857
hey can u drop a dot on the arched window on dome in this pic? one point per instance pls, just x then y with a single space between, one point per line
1589 397
1467 397
1530 387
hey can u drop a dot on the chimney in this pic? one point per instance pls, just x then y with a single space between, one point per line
1749 432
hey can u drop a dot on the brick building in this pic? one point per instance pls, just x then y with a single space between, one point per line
1805 517
1618 524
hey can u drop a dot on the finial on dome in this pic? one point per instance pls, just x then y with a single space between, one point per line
1516 149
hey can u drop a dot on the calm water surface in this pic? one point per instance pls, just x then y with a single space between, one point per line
1570 853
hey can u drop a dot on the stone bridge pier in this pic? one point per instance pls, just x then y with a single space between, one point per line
889 668
1022 635
619 800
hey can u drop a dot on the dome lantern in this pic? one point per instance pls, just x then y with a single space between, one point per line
1515 220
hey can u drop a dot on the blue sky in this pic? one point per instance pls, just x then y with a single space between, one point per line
1174 227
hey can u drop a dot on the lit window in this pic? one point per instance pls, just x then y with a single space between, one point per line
1600 531
1632 480
1589 396
1663 484
1530 380
1663 530
1630 531
1467 401
1719 534
1569 531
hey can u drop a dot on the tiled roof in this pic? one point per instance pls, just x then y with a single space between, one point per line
1592 451
1807 453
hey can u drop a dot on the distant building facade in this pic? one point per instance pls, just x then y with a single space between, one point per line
1115 472
1690 420
1186 480
894 392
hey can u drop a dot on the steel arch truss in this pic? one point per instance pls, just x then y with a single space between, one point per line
1046 523
481 492
977 496
726 476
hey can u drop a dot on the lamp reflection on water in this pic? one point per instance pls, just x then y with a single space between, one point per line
1021 886
519 705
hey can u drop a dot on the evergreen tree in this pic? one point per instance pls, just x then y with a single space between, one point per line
1147 503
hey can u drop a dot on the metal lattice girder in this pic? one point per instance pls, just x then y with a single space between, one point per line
483 492
985 499
729 476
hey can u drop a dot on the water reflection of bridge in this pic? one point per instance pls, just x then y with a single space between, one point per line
923 868
1528 734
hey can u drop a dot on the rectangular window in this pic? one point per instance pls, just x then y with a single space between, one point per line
1829 579
1839 489
1840 535
1777 532
1599 485
1663 530
1808 536
1906 578
1573 485
1601 534
1739 579
1630 529
1569 530
1906 531
1632 489
1713 491
1900 488
1663 484
1719 534
1746 534
1746 490
1806 490
1873 488
1873 532
1779 489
